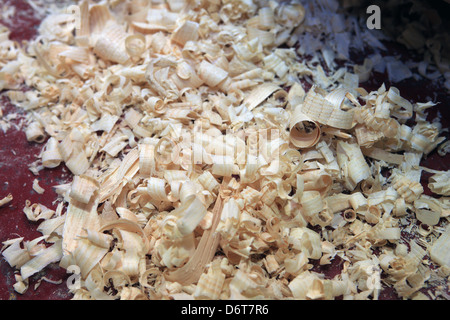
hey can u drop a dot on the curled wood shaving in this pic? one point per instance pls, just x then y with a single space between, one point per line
439 183
37 187
203 167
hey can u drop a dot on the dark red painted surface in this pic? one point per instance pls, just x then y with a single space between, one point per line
16 154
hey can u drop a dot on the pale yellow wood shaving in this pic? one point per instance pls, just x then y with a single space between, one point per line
6 200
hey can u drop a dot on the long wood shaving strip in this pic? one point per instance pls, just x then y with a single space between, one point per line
193 269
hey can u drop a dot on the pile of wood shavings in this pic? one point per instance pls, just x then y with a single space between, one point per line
203 170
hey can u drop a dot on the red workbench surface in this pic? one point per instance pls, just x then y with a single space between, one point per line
16 154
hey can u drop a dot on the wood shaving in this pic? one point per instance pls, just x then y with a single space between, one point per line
37 187
6 200
198 176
